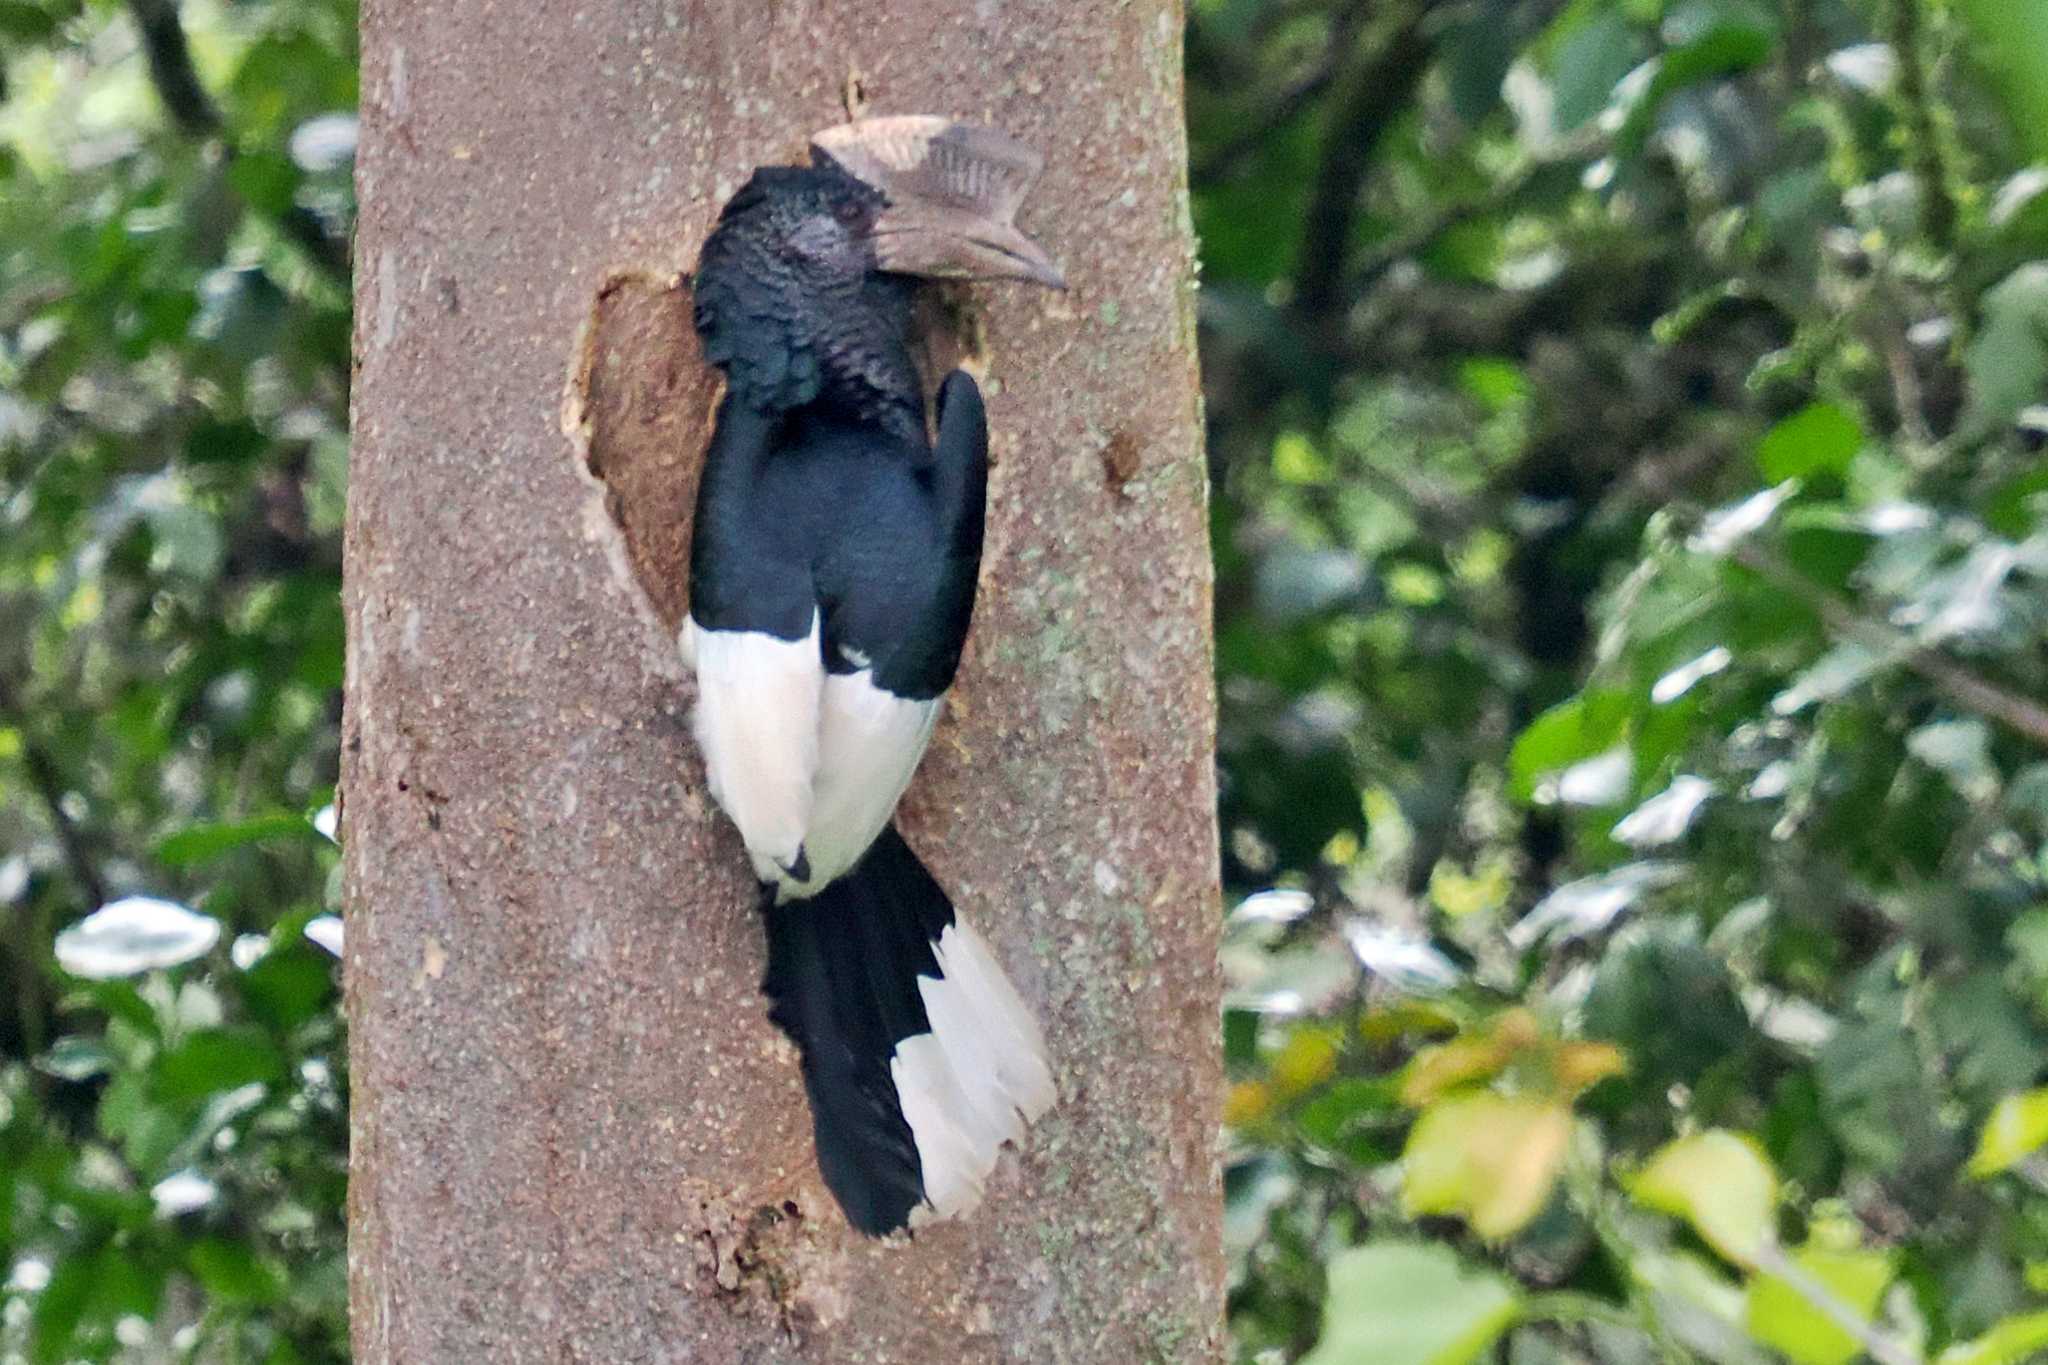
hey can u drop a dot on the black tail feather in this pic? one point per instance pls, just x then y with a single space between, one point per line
842 981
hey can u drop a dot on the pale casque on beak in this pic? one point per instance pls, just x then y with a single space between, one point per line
952 190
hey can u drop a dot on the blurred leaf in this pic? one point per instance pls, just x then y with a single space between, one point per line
1338 1118
215 1060
232 1273
26 23
2017 1128
1724 49
1568 733
1818 439
2012 40
1719 1182
1671 1002
1397 1303
1491 1159
1787 1321
201 843
2011 1342
61 1306
75 1059
2007 361
287 987
1475 1057
1594 55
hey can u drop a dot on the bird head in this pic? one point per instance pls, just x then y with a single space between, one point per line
950 193
794 291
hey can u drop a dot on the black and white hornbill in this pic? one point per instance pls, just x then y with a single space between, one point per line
832 578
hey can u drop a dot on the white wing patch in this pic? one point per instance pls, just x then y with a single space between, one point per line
869 742
976 1079
757 724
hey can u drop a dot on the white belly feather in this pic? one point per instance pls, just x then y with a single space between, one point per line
804 762
757 697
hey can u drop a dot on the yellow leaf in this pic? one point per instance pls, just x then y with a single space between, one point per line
1308 1059
1490 1159
1247 1102
1581 1066
1401 1019
1721 1183
1478 1056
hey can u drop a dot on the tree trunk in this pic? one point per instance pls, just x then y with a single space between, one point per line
576 1136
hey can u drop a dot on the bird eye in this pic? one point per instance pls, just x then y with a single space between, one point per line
848 212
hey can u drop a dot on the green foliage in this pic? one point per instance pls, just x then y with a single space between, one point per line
1630 598
173 387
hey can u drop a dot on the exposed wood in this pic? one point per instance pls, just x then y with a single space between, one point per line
576 1137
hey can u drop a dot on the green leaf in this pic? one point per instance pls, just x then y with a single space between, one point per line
214 1060
147 1131
2007 361
1495 383
287 986
1343 1114
2012 40
2014 1341
1783 1318
1719 1182
60 1306
1820 438
25 22
1401 1303
1568 733
200 843
1591 59
2017 1128
232 1273
1723 50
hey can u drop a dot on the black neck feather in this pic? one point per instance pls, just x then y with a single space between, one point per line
790 333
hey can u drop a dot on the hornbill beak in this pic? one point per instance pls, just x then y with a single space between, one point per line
952 190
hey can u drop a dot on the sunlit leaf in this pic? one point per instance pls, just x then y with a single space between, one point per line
1477 1056
1719 1182
2014 1341
1590 904
1665 817
2017 1128
1818 439
1491 1159
1568 733
1782 1316
135 934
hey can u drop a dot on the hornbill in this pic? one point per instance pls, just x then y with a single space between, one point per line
832 578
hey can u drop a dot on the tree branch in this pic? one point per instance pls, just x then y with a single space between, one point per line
1924 150
49 785
194 114
1587 145
2023 715
170 67
1288 105
1370 96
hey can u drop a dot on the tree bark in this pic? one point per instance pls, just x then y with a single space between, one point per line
575 1135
